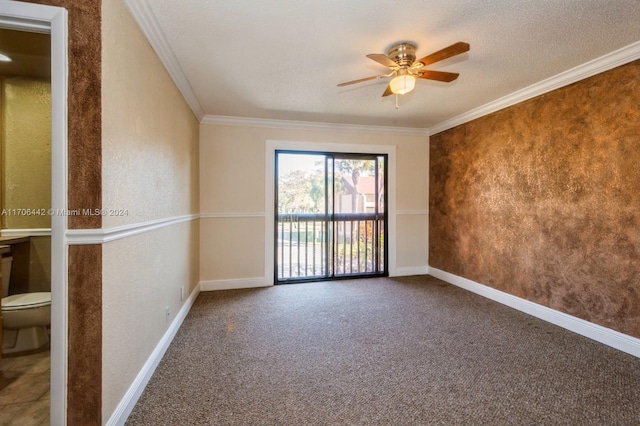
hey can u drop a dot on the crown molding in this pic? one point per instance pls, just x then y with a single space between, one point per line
310 125
604 63
145 18
148 23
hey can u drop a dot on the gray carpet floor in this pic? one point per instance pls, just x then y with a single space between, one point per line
387 351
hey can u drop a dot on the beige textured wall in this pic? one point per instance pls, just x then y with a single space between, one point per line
149 170
26 152
232 181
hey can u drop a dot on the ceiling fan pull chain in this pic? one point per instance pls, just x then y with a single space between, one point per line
396 101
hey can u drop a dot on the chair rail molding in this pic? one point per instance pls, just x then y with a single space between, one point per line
105 235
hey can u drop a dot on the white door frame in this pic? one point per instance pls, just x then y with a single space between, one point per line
53 20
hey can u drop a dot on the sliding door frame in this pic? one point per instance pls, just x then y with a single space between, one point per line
271 146
330 219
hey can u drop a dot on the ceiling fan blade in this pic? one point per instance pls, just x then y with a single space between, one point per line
387 92
346 83
447 52
438 75
382 59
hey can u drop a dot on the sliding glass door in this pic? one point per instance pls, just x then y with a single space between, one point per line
330 217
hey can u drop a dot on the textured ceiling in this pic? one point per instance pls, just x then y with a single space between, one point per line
282 59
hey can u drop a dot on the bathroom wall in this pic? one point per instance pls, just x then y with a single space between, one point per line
232 197
542 200
25 166
149 174
26 152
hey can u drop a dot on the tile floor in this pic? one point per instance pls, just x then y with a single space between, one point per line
24 389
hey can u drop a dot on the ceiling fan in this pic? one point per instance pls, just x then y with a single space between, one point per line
401 58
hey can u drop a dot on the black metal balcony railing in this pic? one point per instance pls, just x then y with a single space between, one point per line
317 245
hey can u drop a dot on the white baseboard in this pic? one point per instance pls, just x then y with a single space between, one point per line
233 284
408 271
607 336
124 408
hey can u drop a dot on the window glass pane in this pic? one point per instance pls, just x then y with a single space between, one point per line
301 183
355 185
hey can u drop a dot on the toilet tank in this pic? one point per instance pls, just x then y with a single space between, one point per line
6 274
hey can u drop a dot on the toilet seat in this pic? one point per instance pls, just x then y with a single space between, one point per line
17 302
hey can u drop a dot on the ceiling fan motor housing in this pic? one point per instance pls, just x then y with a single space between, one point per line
403 54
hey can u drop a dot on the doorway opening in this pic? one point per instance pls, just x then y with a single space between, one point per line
51 20
330 216
25 236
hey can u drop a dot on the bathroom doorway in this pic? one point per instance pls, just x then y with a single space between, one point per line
33 20
25 219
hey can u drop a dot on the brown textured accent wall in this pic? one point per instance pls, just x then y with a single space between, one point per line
542 200
84 397
84 108
84 390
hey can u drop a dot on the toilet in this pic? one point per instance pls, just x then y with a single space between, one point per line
25 317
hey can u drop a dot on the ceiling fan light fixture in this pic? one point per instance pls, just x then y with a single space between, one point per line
4 58
401 60
402 83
